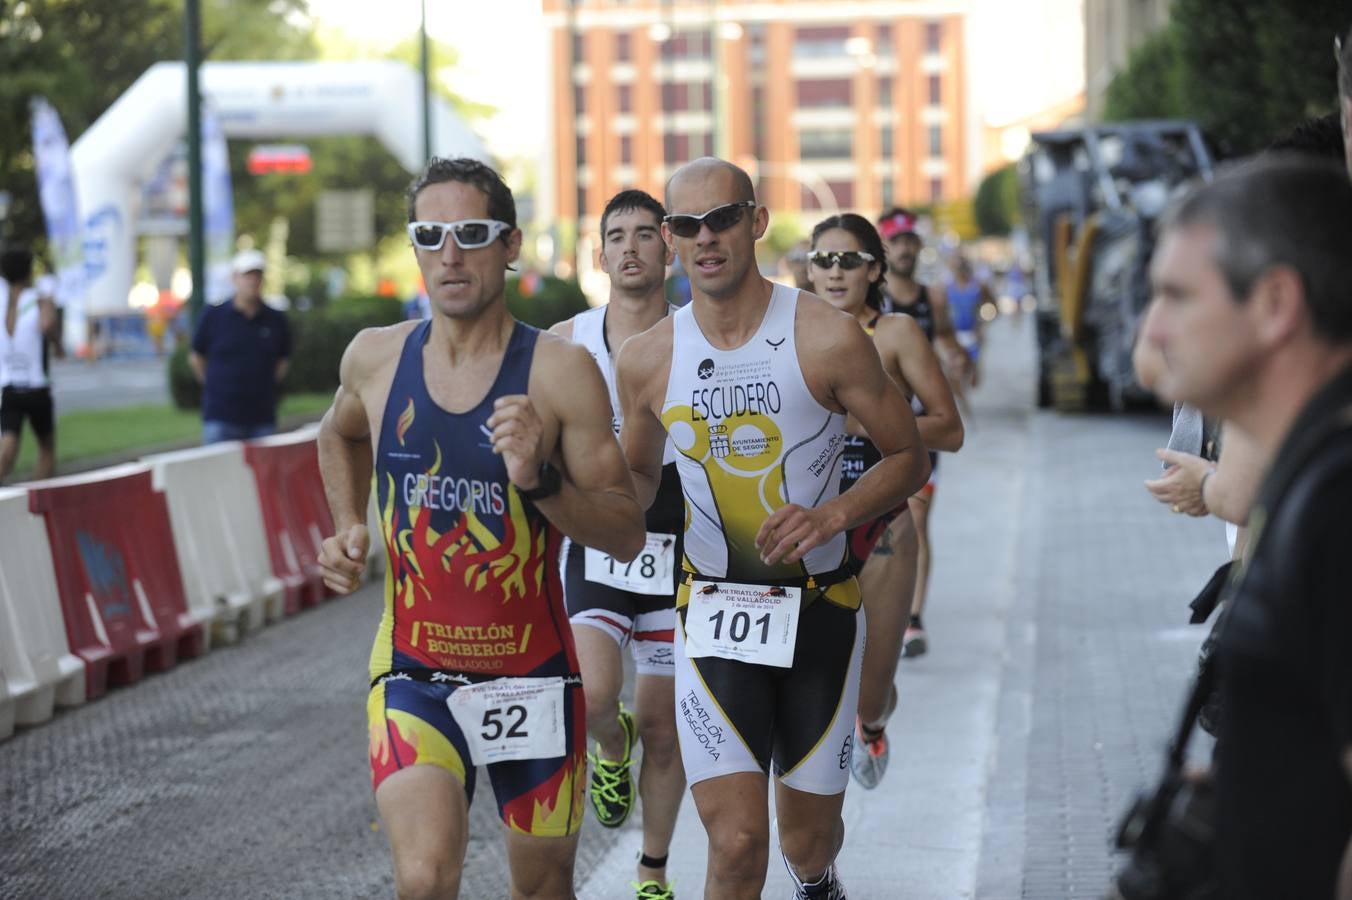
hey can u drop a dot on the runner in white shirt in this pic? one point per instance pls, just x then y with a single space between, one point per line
752 382
613 604
25 392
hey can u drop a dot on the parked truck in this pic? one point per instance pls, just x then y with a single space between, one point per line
1092 196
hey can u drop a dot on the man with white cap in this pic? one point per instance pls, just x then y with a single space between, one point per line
240 353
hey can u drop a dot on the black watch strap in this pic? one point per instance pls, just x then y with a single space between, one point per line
551 480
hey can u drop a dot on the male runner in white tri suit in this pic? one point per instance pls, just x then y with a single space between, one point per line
25 389
612 604
752 381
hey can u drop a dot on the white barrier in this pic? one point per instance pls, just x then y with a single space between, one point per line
218 533
39 671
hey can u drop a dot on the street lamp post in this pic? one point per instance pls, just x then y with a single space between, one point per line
426 63
192 52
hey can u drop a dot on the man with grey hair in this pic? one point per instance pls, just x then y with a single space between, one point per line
1252 321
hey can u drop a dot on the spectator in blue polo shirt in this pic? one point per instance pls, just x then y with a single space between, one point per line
240 354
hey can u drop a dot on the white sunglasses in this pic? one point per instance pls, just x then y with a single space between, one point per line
468 234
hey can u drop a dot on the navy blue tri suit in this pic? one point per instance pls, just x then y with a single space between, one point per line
472 594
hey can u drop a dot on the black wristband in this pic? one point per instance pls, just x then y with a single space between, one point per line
550 482
652 862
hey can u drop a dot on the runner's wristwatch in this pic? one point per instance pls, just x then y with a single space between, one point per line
550 482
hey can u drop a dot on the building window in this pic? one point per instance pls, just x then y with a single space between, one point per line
675 96
579 46
934 36
883 43
887 190
675 148
844 192
678 97
581 199
755 45
936 190
626 150
936 92
688 45
885 92
758 122
581 150
625 98
821 41
622 49
887 141
824 93
936 141
825 143
580 99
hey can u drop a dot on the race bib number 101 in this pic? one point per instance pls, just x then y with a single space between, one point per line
511 719
750 623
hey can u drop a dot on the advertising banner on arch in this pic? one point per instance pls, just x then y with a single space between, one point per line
60 209
218 208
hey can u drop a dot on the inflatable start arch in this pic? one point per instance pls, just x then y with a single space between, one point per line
120 151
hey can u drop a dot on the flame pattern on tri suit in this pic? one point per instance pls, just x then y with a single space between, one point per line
472 593
471 585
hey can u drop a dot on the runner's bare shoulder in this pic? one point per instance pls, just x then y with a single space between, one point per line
820 327
645 358
899 328
372 352
563 329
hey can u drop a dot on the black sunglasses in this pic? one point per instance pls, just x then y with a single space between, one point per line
720 218
846 259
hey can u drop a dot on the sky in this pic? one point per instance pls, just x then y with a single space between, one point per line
502 65
502 60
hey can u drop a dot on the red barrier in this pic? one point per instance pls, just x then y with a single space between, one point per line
117 574
295 512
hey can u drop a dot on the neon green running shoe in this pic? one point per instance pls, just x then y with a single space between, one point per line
652 890
612 786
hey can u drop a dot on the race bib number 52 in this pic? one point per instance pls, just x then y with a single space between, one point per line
750 623
511 719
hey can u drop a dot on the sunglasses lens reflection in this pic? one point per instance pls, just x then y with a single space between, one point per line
719 219
429 237
847 259
474 234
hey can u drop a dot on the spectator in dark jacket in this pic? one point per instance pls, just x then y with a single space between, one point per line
240 354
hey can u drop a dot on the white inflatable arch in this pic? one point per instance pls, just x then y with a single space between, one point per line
120 151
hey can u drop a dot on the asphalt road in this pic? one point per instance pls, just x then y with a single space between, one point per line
1058 658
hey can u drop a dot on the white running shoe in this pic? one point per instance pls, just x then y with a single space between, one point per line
829 888
868 759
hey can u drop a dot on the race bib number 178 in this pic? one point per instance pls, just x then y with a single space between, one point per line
511 719
647 573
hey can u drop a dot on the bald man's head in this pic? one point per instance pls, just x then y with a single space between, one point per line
734 179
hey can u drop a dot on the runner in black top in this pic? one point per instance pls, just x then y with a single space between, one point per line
928 306
847 270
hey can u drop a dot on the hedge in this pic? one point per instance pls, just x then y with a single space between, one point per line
320 336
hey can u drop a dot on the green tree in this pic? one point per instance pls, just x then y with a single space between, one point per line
996 204
1246 70
83 54
1151 86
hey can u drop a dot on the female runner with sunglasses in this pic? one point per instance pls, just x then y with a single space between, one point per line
846 266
